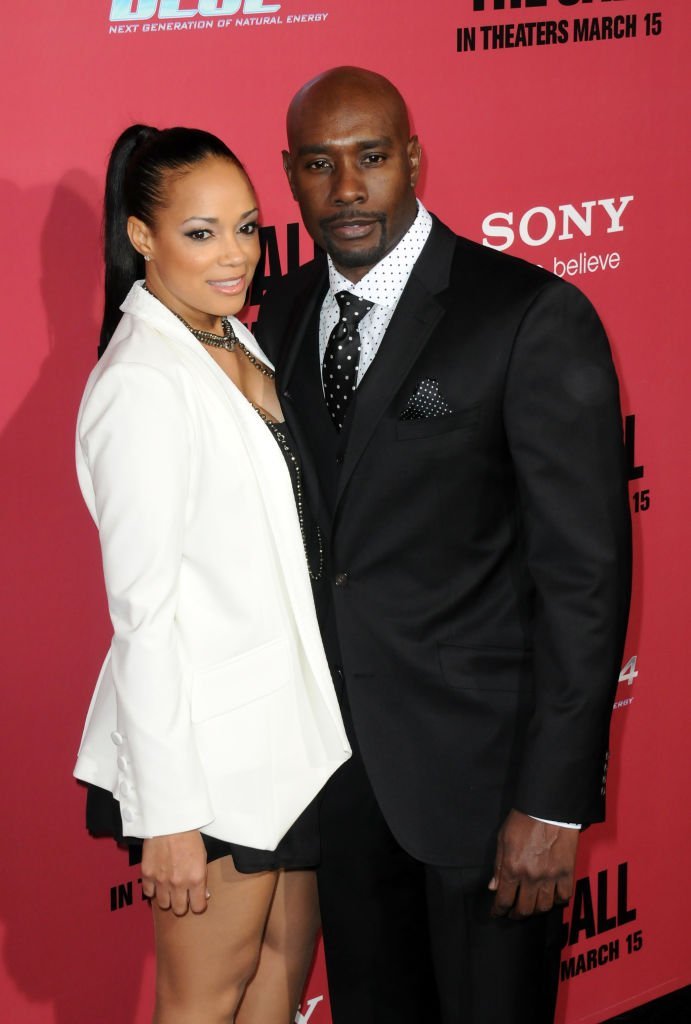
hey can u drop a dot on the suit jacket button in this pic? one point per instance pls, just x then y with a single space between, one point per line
341 579
117 738
339 460
123 764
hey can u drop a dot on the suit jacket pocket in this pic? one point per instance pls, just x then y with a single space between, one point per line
240 680
463 419
505 669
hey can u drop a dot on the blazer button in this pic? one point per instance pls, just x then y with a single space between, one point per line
127 815
123 764
117 738
341 579
339 460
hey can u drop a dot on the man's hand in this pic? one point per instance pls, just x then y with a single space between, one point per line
174 872
534 866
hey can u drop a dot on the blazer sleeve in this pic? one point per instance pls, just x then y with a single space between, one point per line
563 424
136 438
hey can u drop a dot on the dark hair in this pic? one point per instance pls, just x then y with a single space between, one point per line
135 187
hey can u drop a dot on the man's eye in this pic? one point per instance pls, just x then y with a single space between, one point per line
318 165
200 235
374 158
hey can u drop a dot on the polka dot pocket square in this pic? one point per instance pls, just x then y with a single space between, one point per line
426 402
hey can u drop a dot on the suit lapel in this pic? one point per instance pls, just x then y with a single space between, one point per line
417 314
305 309
301 344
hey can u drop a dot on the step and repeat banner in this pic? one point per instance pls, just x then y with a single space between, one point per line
555 130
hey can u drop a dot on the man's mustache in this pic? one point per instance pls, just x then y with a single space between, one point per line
352 217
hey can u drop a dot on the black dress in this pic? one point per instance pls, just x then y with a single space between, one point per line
299 847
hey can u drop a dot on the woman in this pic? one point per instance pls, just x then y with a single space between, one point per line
214 723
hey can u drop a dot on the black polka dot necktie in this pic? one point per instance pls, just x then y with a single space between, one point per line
342 356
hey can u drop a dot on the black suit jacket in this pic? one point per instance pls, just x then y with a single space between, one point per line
479 561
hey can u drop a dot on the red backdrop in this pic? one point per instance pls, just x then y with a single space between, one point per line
555 128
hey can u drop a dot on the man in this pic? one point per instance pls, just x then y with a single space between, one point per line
458 415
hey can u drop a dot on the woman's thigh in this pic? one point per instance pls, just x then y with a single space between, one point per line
273 995
204 961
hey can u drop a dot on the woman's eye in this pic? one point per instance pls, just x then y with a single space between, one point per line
251 228
199 235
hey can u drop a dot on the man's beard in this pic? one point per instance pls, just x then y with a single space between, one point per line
362 257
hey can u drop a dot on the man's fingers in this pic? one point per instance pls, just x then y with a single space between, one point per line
564 889
526 900
545 898
498 861
505 896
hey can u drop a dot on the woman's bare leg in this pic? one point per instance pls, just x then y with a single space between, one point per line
273 994
204 961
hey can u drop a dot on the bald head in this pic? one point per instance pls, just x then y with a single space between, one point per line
344 87
352 165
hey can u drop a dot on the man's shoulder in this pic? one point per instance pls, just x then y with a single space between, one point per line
303 278
284 299
470 257
482 275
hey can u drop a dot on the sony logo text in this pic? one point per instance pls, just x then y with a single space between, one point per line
538 225
143 10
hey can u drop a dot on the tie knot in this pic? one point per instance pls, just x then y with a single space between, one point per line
352 308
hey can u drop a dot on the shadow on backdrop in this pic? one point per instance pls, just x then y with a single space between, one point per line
63 945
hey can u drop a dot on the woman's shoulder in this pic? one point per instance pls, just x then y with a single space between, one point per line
139 341
138 366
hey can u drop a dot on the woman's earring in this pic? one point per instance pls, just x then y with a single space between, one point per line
147 258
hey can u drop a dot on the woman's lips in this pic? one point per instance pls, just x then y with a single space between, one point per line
229 285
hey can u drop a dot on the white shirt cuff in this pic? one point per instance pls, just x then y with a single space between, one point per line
561 824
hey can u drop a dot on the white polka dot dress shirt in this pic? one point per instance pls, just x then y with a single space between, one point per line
383 285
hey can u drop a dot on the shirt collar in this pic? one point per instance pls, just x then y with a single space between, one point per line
384 283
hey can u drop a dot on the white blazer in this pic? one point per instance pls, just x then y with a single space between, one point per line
214 708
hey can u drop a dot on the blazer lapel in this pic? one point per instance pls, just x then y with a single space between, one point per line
267 461
417 314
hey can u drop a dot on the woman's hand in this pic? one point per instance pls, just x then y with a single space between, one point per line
174 872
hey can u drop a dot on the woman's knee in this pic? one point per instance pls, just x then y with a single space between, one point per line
205 1003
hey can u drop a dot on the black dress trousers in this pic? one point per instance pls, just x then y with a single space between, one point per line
412 943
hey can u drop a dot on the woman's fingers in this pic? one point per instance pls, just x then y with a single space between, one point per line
174 872
198 898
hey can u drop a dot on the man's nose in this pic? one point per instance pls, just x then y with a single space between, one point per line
348 185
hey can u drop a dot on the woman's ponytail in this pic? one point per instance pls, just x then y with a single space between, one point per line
123 264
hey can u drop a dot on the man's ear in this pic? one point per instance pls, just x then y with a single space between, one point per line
414 159
140 236
288 168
